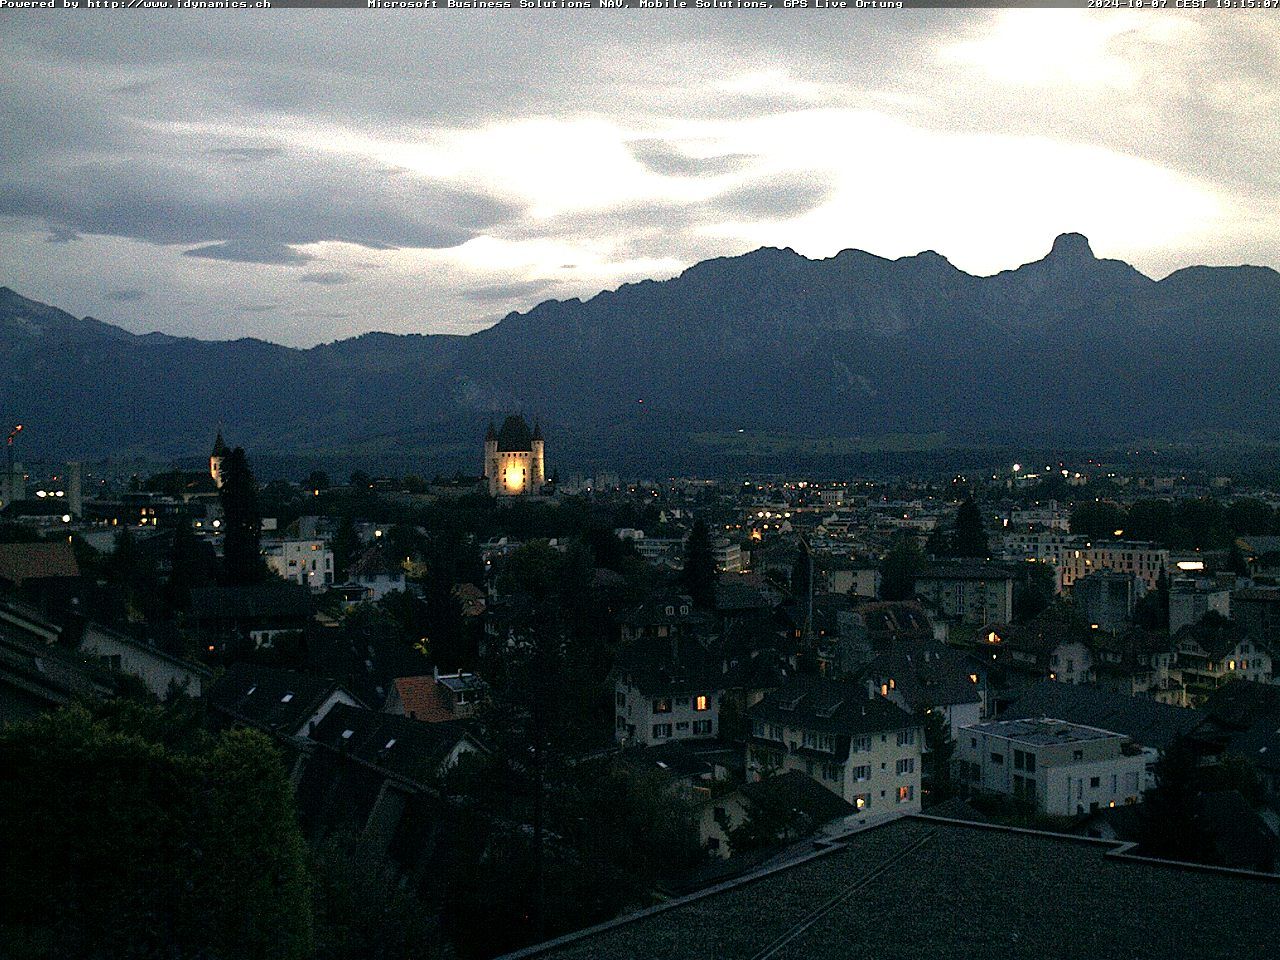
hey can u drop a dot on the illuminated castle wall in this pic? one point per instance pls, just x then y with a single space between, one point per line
513 458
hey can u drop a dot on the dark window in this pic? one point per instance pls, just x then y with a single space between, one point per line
997 758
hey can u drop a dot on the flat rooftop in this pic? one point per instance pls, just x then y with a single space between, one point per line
929 888
1043 732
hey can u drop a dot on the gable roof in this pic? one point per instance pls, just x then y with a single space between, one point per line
395 744
1144 721
1215 635
668 666
830 706
278 701
422 698
20 562
928 674
801 794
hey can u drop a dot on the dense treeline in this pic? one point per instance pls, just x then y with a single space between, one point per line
1205 523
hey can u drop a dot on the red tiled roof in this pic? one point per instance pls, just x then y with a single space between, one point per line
420 698
20 562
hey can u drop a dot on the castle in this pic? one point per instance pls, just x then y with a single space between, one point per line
513 462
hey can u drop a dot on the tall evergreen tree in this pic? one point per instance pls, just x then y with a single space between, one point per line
184 568
700 566
970 539
346 544
900 568
241 523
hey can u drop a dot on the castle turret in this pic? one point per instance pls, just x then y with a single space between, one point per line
538 474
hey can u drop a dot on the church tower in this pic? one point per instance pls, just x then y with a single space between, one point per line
218 460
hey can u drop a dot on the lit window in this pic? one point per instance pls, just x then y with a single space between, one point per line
700 703
286 698
884 689
973 677
346 734
390 743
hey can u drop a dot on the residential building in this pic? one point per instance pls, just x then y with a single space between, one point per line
727 554
1062 768
1261 557
811 806
1105 598
1215 651
1191 598
308 563
162 673
376 574
927 676
1151 726
278 702
1045 647
1075 557
866 751
968 591
228 619
665 690
437 698
1257 609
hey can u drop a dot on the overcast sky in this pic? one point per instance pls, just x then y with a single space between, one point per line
304 176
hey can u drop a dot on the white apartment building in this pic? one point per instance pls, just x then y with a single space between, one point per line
1077 557
1064 769
305 562
867 751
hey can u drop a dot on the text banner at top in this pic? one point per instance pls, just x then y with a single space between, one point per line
1153 5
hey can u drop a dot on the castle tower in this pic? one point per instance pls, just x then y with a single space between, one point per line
490 471
538 473
218 459
514 463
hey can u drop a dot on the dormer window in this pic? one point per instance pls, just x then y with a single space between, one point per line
684 608
671 611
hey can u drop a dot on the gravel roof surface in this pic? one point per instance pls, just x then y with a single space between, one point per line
950 890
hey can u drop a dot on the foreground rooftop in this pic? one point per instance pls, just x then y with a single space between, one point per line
919 887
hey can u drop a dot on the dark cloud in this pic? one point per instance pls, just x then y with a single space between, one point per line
776 198
330 278
250 219
661 157
126 296
251 251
